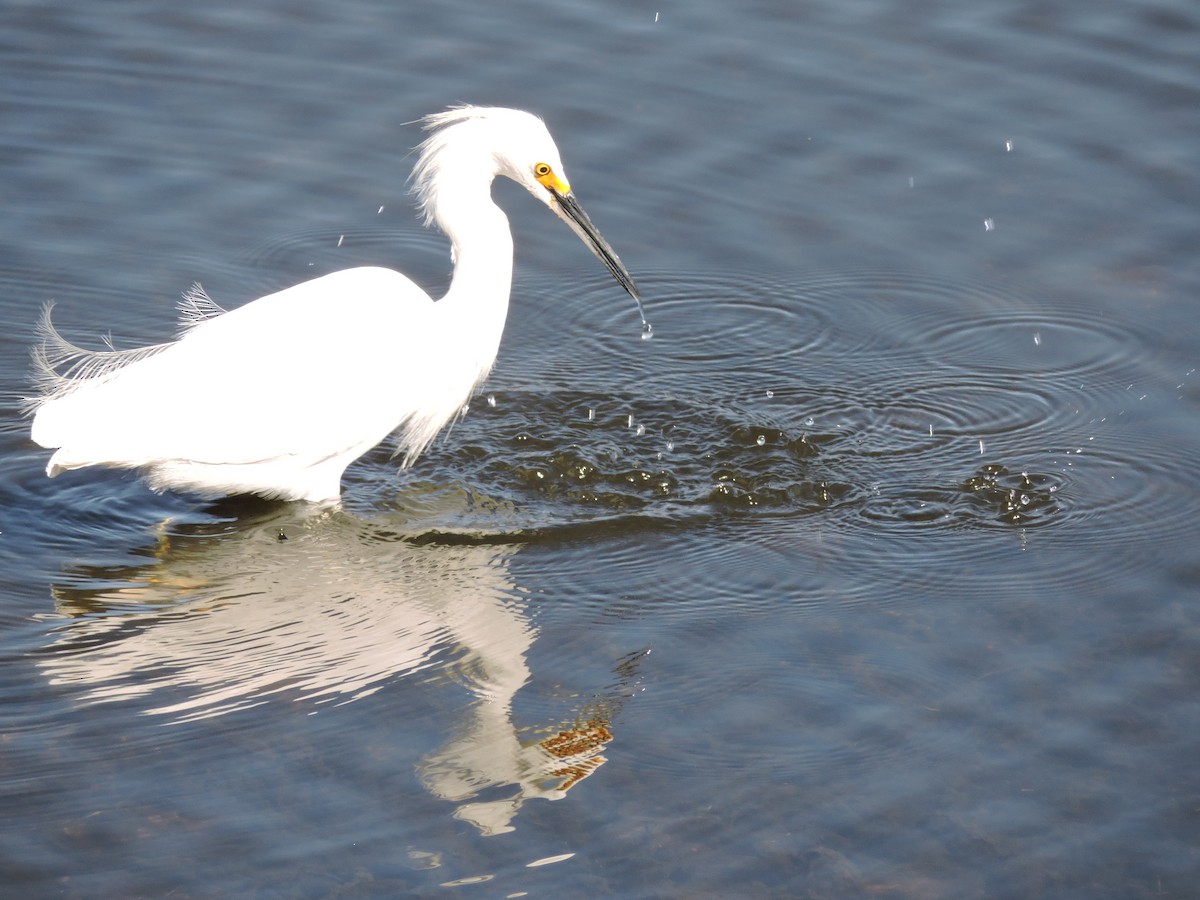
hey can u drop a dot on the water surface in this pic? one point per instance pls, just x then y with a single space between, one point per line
873 573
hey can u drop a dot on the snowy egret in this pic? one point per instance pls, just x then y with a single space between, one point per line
279 396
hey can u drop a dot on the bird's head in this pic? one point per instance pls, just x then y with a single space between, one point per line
472 142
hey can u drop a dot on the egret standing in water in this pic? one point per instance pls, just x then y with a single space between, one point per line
279 396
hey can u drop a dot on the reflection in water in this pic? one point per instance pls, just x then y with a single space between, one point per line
325 609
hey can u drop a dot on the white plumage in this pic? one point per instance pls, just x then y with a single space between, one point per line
279 396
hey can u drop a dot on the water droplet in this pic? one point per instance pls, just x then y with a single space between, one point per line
1008 145
989 225
340 239
761 439
629 423
641 429
670 445
770 394
809 422
491 400
1037 339
591 415
647 330
379 211
981 446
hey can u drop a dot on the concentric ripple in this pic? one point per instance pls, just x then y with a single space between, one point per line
852 398
1068 343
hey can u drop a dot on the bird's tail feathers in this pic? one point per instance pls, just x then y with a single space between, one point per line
60 367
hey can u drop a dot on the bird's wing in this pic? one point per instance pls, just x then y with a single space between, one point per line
305 373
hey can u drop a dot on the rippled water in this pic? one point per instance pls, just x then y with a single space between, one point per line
872 574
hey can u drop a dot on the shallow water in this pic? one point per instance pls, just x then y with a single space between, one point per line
873 573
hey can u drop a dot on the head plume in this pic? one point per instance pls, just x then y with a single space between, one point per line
451 149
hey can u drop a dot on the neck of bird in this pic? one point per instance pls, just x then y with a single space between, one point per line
476 305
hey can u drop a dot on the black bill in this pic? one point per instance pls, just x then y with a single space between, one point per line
572 213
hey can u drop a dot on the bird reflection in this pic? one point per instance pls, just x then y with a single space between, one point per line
225 615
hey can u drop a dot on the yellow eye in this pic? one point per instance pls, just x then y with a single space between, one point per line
545 175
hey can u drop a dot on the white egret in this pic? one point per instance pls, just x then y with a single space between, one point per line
279 396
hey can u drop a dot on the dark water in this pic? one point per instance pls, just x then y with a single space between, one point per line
873 574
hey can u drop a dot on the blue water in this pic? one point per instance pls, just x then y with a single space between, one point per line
874 573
